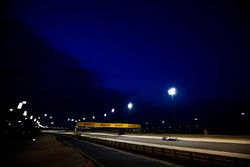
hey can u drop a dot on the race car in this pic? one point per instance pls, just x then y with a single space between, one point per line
170 138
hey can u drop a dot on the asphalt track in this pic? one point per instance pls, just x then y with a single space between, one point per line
218 146
109 157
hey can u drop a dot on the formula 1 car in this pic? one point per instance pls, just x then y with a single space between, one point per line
170 138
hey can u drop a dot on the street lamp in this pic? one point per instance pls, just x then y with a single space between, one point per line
25 113
172 92
20 106
196 125
130 106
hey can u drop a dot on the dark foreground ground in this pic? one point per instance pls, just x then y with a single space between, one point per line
45 151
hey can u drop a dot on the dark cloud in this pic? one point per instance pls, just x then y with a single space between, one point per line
51 81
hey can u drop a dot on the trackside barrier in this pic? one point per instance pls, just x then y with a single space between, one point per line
180 156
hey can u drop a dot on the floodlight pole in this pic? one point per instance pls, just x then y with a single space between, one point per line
174 112
172 92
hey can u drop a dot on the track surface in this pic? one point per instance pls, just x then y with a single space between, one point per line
227 147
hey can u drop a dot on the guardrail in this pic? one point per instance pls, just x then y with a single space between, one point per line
173 155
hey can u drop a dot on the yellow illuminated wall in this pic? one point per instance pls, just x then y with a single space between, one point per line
107 125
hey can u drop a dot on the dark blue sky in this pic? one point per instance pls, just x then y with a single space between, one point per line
141 48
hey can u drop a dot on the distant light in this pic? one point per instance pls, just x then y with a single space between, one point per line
33 140
130 106
72 120
195 119
93 117
172 91
113 110
79 120
146 123
39 118
50 117
169 127
243 113
45 115
25 113
35 120
19 121
52 123
25 118
11 109
9 124
68 119
105 115
75 120
84 119
24 102
19 106
31 117
163 122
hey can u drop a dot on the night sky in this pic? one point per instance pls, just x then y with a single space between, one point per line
81 58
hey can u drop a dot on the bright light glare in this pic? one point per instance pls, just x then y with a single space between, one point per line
11 109
105 115
72 120
113 110
45 115
163 122
52 123
172 91
195 119
84 119
130 106
242 113
93 117
50 117
19 106
24 102
31 117
68 119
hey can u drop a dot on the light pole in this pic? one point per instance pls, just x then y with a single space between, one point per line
172 92
105 116
130 106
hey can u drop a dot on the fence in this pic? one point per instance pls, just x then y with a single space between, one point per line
173 155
